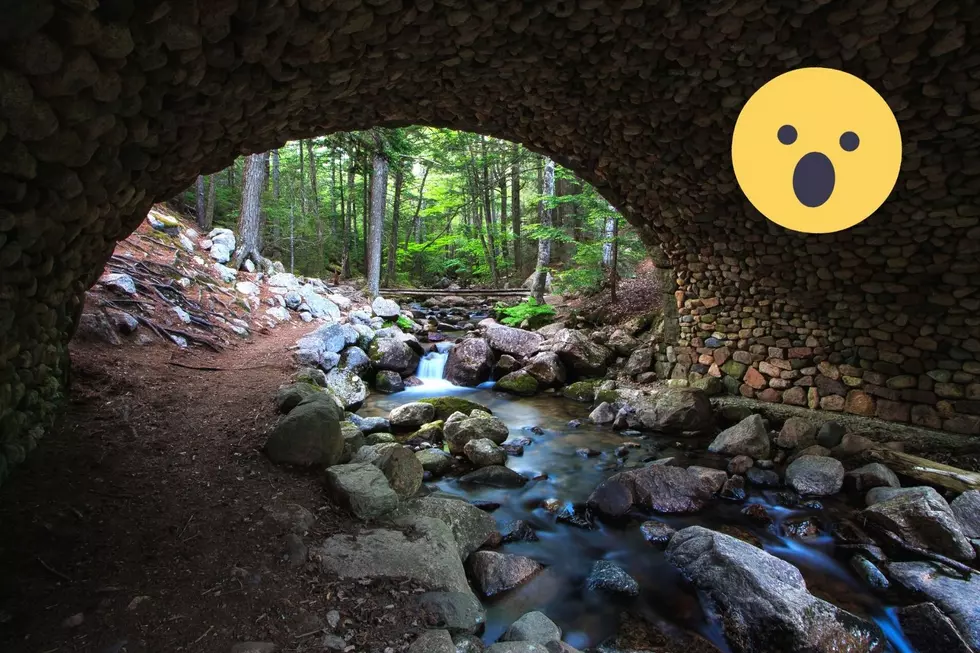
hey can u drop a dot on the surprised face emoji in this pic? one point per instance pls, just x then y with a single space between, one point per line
816 150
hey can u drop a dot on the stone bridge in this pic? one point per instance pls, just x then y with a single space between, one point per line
108 105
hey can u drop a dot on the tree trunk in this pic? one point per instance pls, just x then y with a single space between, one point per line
515 208
302 174
351 217
393 242
275 174
379 188
365 227
209 208
345 227
416 227
503 214
250 217
201 217
544 244
614 267
488 212
315 201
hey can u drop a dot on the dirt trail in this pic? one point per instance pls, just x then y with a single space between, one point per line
143 512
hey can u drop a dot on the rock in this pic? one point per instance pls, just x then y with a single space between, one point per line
851 445
371 424
513 341
712 479
435 461
291 516
347 387
362 489
815 475
610 577
222 244
470 526
254 647
494 572
378 438
388 382
581 356
432 641
884 493
469 363
659 488
764 599
520 383
928 630
290 396
547 369
483 452
505 365
402 469
516 647
386 309
357 361
966 507
532 627
309 435
762 477
457 612
870 476
519 531
411 415
318 305
494 476
869 573
427 553
446 406
121 283
747 438
353 440
639 361
830 434
674 410
958 598
657 533
923 520
582 391
315 346
603 414
740 465
460 431
733 489
393 354
796 433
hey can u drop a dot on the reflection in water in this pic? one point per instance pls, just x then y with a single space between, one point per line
568 552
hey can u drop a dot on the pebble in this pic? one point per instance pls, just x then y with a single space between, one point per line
73 621
657 533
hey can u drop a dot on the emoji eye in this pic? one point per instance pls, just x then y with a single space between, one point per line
849 141
786 134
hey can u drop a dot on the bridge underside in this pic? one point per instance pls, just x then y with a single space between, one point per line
106 109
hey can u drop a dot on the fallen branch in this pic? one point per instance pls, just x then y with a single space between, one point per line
53 570
928 471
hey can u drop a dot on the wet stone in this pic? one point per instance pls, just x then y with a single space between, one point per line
734 489
610 577
519 531
762 477
869 572
657 533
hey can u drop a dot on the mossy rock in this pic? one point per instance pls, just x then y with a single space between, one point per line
446 406
583 391
431 432
518 383
711 385
733 368
288 397
607 396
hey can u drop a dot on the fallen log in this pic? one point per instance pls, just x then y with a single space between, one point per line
927 471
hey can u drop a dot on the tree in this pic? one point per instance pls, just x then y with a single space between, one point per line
209 207
544 240
379 189
393 241
250 217
275 174
201 216
515 207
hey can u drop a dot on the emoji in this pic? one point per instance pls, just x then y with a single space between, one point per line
816 150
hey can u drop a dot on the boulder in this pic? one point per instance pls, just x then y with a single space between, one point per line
923 520
494 572
966 507
288 397
393 354
520 383
461 613
353 440
402 469
547 368
433 641
356 360
457 432
347 387
362 489
747 438
411 415
309 435
470 526
815 475
515 647
120 283
928 630
884 493
388 382
621 343
581 356
830 434
314 347
446 406
957 597
435 461
870 476
657 533
386 309
483 452
673 410
532 627
581 391
510 340
494 476
639 361
764 600
318 305
607 576
427 553
470 363
603 414
660 488
712 479
797 433
505 365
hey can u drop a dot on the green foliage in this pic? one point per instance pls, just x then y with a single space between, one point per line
536 314
404 323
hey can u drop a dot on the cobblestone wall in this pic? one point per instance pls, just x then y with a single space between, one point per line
106 106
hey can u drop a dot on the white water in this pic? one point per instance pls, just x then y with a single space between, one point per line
432 366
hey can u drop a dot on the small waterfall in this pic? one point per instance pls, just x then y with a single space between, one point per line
432 365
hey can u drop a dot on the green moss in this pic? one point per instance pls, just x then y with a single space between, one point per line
733 368
518 383
710 384
404 323
583 391
446 406
431 432
608 396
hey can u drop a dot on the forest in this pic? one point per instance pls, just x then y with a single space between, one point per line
419 207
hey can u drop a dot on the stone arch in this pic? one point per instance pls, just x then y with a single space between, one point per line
106 106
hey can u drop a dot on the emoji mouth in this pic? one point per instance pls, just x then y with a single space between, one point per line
813 179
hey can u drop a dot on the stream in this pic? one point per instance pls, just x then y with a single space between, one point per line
569 551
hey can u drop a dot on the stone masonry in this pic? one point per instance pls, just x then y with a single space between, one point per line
108 105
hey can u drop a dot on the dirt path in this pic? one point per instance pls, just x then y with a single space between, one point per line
142 515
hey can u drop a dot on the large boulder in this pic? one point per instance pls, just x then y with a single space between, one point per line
815 475
347 387
289 396
411 415
747 438
532 627
319 306
673 410
660 488
362 489
222 244
356 360
470 526
457 432
966 507
461 613
639 361
433 641
399 465
388 382
309 435
498 572
547 368
470 363
956 596
519 383
386 309
510 340
581 356
494 476
393 354
923 520
928 630
484 452
764 600
870 476
321 345
446 406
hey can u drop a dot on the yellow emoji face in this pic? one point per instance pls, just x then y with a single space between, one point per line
816 150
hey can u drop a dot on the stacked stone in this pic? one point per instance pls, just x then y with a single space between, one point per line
106 107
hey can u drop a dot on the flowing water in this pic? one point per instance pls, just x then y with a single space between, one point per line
569 551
